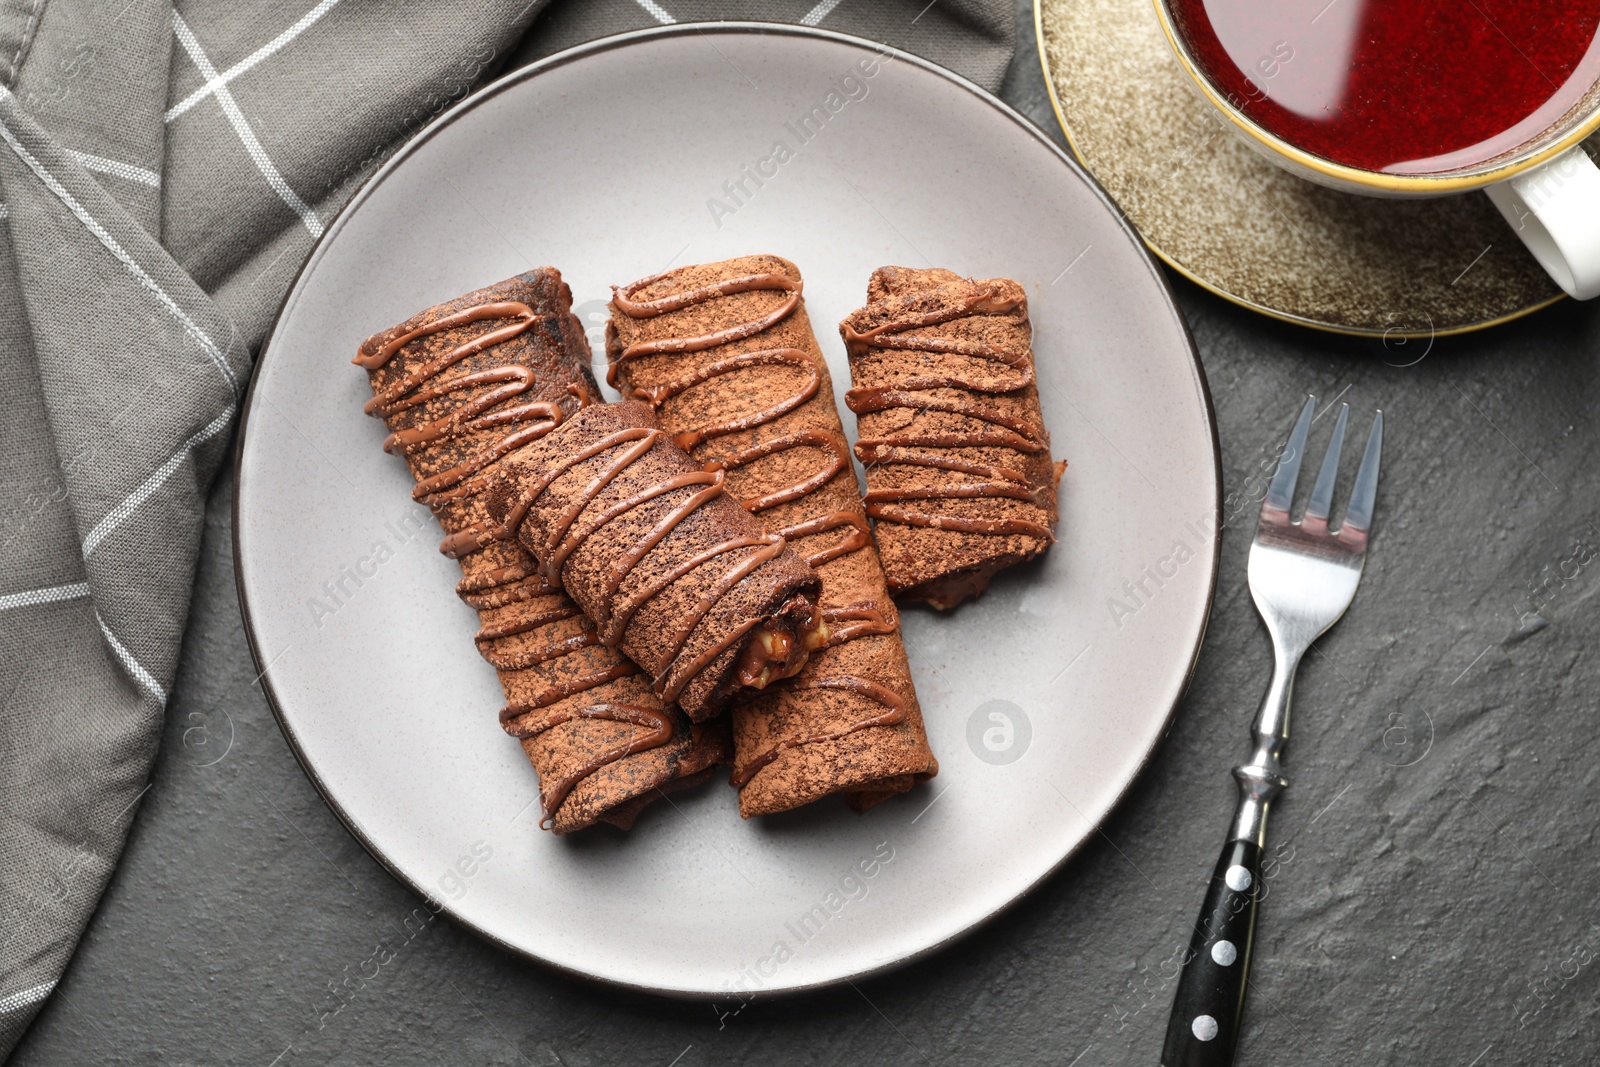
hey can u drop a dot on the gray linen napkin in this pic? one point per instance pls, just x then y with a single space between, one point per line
164 173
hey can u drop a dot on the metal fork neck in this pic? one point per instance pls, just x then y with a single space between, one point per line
1261 779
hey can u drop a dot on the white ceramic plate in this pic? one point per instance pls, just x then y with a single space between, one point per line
603 162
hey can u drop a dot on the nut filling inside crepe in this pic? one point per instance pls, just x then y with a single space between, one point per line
670 568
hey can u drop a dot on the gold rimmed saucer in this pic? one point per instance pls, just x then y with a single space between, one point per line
1226 217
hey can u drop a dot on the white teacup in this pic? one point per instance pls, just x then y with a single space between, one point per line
1547 187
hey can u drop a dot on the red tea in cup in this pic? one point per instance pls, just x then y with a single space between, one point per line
1404 87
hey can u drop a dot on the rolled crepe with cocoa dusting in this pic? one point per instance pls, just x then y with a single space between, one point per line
725 354
670 568
460 386
960 484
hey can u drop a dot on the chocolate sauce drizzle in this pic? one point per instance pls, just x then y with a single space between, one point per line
831 444
515 583
567 535
918 393
860 620
896 714
655 720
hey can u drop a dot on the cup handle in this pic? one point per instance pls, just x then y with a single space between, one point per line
1555 209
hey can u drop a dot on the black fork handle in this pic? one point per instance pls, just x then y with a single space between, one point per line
1204 1027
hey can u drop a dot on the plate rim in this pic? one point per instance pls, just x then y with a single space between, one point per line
1394 334
532 70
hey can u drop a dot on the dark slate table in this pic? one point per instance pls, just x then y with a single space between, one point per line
1433 896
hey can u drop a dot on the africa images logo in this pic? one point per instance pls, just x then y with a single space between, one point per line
999 732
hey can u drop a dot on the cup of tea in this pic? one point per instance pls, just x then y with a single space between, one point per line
1416 98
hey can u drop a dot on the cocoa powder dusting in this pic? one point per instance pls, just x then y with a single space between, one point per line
959 475
460 386
725 354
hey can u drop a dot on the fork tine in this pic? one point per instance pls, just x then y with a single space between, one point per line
1322 493
1280 494
1358 516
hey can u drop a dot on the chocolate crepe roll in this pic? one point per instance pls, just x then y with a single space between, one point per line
669 567
461 385
959 479
725 354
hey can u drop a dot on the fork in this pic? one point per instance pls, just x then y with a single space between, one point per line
1302 578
